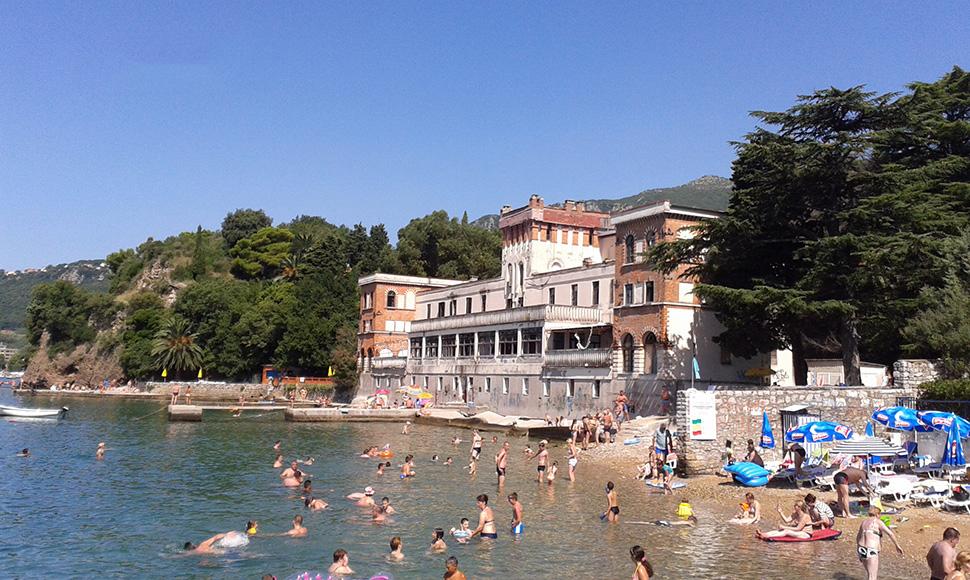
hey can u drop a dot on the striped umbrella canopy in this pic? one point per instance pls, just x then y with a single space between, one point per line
818 432
870 446
941 421
900 419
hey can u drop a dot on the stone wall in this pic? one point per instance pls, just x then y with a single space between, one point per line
739 416
203 391
911 373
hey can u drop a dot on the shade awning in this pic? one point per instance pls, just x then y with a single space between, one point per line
871 446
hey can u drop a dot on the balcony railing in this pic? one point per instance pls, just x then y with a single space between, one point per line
582 315
591 357
388 362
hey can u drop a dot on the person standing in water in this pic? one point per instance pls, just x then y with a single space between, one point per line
869 540
501 462
517 526
451 570
612 504
341 563
643 571
99 454
476 445
397 549
573 456
407 469
543 456
486 520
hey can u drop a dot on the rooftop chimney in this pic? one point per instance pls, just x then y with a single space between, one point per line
506 209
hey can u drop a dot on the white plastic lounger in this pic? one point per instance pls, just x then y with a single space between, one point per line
950 503
930 491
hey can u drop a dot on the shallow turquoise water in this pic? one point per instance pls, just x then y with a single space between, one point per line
63 513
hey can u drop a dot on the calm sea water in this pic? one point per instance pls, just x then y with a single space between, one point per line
64 514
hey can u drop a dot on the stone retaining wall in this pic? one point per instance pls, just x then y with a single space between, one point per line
911 373
203 391
739 416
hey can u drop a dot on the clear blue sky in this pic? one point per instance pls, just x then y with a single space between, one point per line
123 120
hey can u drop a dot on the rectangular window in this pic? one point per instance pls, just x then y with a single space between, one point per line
428 314
574 294
596 389
725 355
426 383
484 301
471 383
488 384
570 388
453 308
628 294
468 305
448 346
508 303
558 341
505 385
525 386
686 292
415 348
466 344
440 383
531 341
455 384
441 310
431 347
486 344
552 296
648 291
596 293
508 343
545 388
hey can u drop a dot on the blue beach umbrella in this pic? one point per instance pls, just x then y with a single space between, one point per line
900 419
953 455
819 432
940 421
767 438
870 430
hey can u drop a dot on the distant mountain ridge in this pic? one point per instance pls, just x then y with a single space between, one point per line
16 286
707 192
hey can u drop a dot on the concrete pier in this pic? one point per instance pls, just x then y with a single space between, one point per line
184 413
325 414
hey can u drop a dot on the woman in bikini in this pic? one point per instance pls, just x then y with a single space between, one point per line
799 525
486 520
869 539
643 570
573 456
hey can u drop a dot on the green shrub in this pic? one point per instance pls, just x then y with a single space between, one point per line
946 390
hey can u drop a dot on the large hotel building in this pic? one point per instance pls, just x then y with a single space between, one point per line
576 317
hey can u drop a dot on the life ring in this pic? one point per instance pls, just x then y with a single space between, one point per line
385 454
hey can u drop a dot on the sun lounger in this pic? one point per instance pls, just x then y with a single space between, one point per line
934 470
900 489
956 504
930 491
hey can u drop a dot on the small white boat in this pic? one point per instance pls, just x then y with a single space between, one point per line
33 413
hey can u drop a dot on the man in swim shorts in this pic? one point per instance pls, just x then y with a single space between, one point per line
613 505
663 442
517 526
501 461
543 456
845 478
476 444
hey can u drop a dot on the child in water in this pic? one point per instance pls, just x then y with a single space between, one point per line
448 461
552 472
461 534
438 541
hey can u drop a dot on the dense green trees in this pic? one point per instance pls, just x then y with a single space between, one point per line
243 223
68 314
443 247
846 219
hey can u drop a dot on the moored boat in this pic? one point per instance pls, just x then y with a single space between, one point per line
33 413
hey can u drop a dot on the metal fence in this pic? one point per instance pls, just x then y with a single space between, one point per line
961 408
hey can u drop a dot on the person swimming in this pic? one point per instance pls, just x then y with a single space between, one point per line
397 549
231 539
448 461
24 453
298 531
99 453
382 466
386 505
462 533
438 541
691 521
252 527
365 500
314 504
341 563
278 462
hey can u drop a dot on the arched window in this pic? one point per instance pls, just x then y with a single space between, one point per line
629 250
391 299
628 354
650 353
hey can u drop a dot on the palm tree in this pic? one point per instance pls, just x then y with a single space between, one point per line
290 267
174 347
